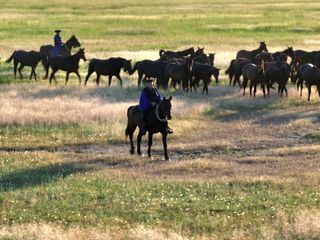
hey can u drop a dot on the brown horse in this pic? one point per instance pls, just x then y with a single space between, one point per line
68 64
177 54
156 122
65 50
109 67
30 59
254 74
251 54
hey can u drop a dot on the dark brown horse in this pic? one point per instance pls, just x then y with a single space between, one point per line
177 54
203 72
108 67
65 50
156 122
179 72
254 74
251 54
30 59
235 70
306 57
278 72
310 75
68 64
151 69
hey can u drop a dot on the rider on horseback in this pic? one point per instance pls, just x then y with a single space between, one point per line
149 98
57 44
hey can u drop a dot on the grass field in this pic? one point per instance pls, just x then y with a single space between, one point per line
241 168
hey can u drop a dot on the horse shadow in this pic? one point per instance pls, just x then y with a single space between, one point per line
31 177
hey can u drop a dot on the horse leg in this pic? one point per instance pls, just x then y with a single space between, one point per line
129 132
79 77
164 141
301 87
244 85
139 142
67 77
52 75
87 77
31 73
98 79
263 90
120 79
139 78
251 86
309 91
110 78
149 144
15 64
19 70
35 74
254 89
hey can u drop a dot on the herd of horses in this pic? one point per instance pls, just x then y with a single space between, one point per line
186 68
259 66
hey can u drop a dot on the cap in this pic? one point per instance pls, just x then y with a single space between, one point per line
149 80
57 31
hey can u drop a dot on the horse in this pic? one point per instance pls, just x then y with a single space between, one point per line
179 72
178 54
109 67
30 59
251 54
263 56
254 73
235 69
65 50
156 122
277 72
68 64
151 69
309 74
282 55
204 72
306 57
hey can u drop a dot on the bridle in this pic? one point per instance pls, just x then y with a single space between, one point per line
157 114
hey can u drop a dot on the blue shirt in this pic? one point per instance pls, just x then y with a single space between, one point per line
147 96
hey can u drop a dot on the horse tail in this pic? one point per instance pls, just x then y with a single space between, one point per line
161 52
11 57
128 129
229 69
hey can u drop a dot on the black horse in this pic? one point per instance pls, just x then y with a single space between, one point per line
68 64
309 74
235 70
109 67
203 72
178 54
30 59
179 72
254 74
151 69
251 54
156 122
65 50
278 72
282 55
306 57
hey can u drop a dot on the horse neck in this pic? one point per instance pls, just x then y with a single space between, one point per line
160 114
68 45
76 57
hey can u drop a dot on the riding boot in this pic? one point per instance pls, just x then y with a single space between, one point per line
169 130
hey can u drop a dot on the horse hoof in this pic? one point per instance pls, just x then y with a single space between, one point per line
151 158
132 152
167 159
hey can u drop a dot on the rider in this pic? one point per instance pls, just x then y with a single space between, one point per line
149 98
57 44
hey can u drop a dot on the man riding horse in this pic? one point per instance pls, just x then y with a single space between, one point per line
149 98
57 44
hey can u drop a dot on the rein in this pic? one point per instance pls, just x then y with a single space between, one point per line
157 115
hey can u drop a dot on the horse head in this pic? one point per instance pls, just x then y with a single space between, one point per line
127 67
263 46
215 73
73 41
165 107
200 51
211 58
81 54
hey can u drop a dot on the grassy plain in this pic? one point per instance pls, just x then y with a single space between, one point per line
241 168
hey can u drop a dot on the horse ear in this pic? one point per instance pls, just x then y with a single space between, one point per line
170 98
164 98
